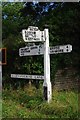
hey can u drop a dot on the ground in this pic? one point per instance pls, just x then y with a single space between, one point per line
29 103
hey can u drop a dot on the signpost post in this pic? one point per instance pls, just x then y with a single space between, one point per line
33 34
47 83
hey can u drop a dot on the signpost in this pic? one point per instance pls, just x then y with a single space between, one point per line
33 34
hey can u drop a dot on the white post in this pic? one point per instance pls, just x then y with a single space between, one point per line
47 83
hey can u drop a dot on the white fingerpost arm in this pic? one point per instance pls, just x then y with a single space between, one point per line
47 83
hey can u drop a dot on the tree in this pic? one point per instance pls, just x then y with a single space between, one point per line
64 23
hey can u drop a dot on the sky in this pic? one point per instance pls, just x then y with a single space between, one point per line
39 0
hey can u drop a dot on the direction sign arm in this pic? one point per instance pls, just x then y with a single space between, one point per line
60 49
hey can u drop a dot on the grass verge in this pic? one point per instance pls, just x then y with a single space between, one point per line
28 103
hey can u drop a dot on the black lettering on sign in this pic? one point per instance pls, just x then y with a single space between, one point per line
27 51
67 50
24 50
34 47
55 48
33 29
40 46
22 54
62 50
30 38
30 34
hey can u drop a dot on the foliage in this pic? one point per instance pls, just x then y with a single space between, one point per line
63 20
22 104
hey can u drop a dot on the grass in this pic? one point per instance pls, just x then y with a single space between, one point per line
29 103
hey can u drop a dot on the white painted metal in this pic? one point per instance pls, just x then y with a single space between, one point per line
47 83
32 50
33 34
60 49
39 50
24 76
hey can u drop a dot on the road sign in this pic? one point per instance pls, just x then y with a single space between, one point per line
24 76
33 34
31 50
60 49
39 50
